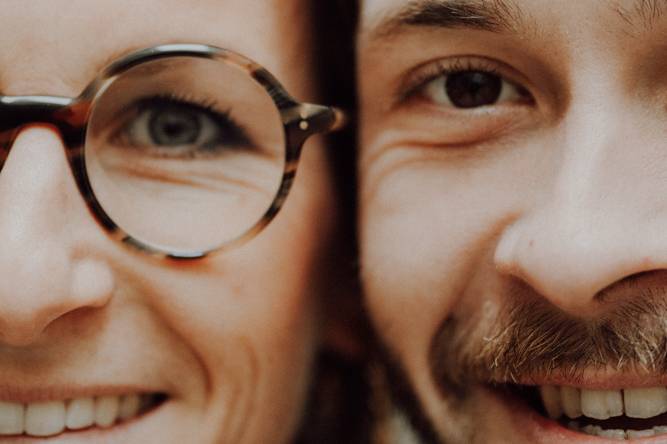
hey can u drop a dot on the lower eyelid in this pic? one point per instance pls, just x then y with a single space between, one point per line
427 124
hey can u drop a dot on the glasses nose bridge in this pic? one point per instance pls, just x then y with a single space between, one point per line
64 113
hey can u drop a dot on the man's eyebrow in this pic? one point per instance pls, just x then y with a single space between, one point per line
643 14
485 15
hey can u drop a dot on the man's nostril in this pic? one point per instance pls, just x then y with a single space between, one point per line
649 283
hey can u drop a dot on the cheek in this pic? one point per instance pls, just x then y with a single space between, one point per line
411 254
427 225
250 317
254 338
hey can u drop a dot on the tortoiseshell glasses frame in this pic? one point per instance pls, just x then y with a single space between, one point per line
70 116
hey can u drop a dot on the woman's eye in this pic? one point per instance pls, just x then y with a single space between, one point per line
472 89
170 127
176 126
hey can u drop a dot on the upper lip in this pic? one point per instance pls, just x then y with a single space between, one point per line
597 380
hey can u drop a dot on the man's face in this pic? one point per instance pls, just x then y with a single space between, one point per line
217 349
512 213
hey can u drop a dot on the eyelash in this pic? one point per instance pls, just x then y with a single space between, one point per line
207 106
418 79
222 118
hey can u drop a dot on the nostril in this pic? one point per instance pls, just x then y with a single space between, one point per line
644 285
38 291
569 261
643 277
20 331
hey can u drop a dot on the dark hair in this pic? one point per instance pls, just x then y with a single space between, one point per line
337 411
335 27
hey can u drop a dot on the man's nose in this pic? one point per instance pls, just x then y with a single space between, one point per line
47 265
603 216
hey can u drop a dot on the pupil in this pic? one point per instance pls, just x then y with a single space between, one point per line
172 126
471 89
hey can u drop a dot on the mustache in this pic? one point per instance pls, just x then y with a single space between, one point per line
530 337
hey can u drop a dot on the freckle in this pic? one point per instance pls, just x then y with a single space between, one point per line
531 242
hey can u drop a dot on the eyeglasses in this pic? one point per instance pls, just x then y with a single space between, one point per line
179 150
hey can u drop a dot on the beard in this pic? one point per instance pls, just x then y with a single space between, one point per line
526 337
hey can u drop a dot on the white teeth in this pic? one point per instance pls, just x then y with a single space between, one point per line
106 410
601 404
551 400
595 430
45 418
635 434
645 402
604 404
53 417
571 401
613 434
129 406
592 430
80 413
11 418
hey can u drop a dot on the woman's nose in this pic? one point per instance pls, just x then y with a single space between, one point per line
48 265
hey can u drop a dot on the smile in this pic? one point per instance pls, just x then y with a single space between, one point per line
610 413
625 413
53 417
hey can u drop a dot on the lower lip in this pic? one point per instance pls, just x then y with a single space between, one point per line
538 429
134 430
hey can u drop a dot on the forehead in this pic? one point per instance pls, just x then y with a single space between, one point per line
60 44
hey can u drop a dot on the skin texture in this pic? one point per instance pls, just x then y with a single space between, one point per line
230 339
554 198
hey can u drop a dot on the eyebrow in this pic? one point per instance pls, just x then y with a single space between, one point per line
643 13
494 16
484 15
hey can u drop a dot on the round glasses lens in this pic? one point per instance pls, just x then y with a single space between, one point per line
185 153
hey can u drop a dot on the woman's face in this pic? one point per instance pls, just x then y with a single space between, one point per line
228 340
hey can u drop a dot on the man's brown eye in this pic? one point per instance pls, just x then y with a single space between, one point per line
471 89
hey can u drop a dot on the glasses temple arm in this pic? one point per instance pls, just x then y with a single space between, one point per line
340 119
